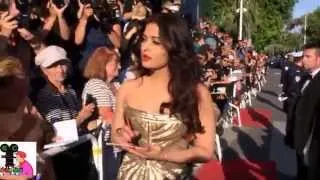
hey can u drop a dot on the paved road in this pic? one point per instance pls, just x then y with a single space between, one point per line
263 144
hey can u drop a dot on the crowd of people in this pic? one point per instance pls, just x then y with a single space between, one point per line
138 77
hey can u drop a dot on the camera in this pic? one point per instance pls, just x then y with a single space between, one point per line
106 11
59 3
26 7
23 7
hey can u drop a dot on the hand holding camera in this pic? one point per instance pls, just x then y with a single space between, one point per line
87 12
7 24
57 7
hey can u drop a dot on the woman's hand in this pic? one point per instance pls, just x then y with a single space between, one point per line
81 8
7 24
59 11
151 152
87 12
123 137
52 12
85 113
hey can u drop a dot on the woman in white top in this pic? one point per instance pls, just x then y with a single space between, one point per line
101 69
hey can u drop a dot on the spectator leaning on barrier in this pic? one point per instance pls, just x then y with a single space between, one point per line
57 101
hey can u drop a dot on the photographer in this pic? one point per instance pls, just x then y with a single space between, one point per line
95 29
55 21
11 42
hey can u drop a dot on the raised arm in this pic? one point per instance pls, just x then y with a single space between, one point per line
115 35
7 25
63 26
81 28
49 21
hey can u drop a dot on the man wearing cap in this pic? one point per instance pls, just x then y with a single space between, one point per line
296 77
287 75
292 77
58 101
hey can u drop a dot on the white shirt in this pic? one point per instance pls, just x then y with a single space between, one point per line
313 73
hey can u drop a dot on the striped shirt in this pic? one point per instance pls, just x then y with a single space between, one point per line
101 92
55 106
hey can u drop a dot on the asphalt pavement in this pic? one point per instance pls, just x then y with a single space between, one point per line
263 144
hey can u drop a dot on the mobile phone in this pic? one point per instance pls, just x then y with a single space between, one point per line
90 99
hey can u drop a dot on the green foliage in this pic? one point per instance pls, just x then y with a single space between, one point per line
263 22
313 30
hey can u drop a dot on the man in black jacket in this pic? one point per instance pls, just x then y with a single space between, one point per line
297 76
304 115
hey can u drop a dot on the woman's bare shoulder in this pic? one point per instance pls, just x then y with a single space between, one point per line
202 90
130 84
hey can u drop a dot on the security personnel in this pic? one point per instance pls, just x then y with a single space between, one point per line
296 76
287 75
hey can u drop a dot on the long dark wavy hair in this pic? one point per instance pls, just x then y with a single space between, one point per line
183 67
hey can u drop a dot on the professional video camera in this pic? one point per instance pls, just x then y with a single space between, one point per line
107 12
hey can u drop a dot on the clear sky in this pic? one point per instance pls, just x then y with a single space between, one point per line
305 6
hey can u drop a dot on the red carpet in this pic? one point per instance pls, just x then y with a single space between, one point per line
254 117
237 170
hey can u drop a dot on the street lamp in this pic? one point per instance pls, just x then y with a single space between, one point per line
305 29
241 10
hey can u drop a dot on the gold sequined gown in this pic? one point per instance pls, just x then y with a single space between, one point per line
157 129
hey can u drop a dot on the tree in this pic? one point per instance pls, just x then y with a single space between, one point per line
313 26
263 22
313 30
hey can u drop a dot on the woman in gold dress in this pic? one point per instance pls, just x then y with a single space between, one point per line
164 119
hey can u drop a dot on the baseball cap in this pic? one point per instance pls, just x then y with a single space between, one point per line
297 54
50 55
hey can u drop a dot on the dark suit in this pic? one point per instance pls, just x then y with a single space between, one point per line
303 117
293 93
